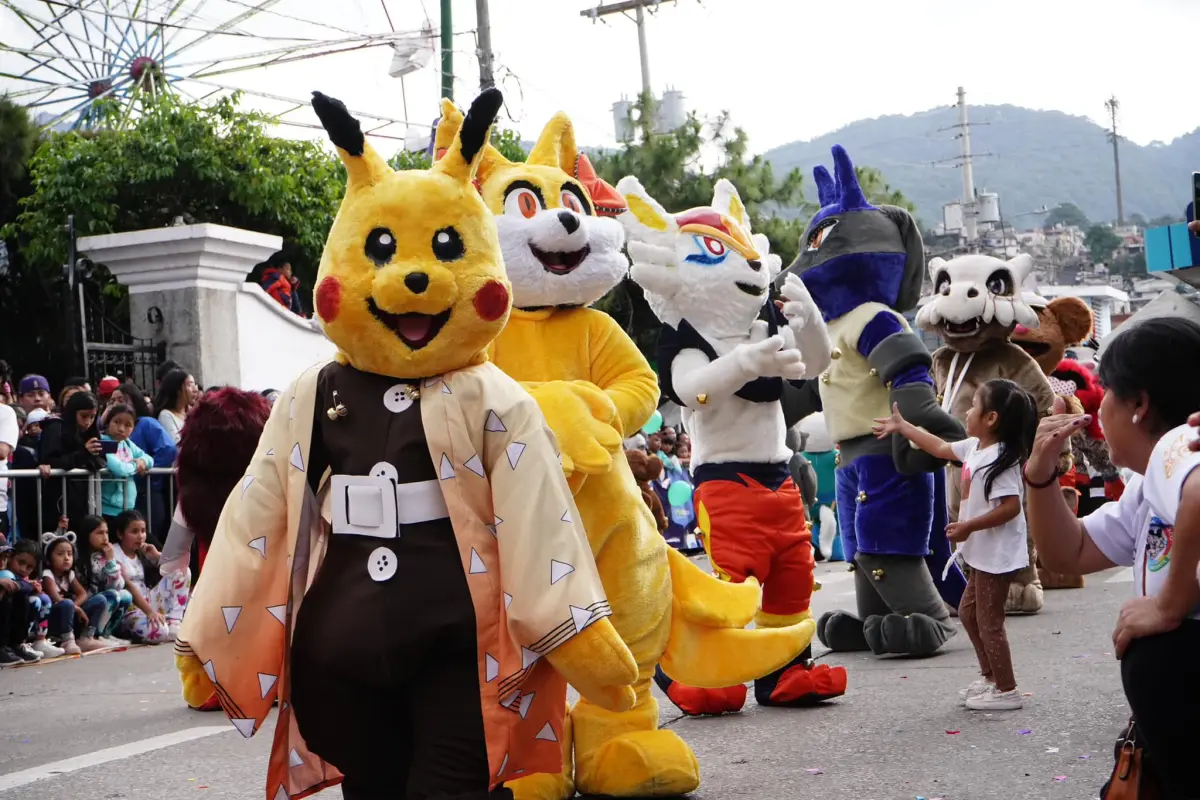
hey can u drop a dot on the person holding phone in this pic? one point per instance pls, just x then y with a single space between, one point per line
124 459
70 442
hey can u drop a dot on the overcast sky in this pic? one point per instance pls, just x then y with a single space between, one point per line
785 69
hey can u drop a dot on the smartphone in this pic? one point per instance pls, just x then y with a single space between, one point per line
109 448
1195 196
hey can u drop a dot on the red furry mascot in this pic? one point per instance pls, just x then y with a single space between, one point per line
1100 481
218 442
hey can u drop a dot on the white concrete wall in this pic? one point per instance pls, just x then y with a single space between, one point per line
274 345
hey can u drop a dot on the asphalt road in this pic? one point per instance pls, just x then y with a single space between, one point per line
113 725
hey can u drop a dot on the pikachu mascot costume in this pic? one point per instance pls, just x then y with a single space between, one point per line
402 566
562 253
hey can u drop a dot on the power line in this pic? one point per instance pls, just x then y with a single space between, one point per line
638 7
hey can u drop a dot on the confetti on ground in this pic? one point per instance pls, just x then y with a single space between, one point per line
1024 732
1084 757
952 733
815 771
1026 694
191 780
1060 778
1051 749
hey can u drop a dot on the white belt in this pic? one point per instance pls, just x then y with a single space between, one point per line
370 505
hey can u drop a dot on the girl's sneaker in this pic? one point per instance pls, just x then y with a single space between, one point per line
28 654
994 700
47 650
113 641
980 686
90 644
69 647
9 657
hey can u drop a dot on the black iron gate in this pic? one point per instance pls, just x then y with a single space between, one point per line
109 349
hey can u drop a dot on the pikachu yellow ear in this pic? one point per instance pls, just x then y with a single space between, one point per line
556 145
466 147
364 166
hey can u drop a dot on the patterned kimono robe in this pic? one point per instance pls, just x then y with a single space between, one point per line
530 571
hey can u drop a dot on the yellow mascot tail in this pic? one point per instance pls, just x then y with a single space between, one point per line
709 646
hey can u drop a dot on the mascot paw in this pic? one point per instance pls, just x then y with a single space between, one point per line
542 786
599 665
841 632
896 634
639 764
584 421
696 702
198 691
801 685
1023 599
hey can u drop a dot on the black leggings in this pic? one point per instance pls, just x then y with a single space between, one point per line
14 620
1161 676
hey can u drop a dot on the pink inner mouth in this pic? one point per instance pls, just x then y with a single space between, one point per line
413 327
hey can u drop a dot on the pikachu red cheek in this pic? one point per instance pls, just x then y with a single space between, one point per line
329 299
491 302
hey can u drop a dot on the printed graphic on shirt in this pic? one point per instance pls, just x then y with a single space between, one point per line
966 483
1158 544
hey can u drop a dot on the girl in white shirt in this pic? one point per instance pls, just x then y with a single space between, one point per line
990 532
1151 385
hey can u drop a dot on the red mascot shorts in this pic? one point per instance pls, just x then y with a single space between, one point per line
753 531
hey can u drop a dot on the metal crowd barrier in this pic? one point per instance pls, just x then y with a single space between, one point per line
95 481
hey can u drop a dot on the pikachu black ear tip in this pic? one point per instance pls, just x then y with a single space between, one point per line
343 129
473 134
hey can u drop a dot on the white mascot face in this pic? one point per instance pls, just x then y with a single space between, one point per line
558 253
972 293
702 265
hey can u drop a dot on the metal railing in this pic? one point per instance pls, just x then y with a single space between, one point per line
95 480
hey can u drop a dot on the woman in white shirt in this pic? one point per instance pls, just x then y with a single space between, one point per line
1152 383
176 395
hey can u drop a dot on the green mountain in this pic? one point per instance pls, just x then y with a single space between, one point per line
1039 158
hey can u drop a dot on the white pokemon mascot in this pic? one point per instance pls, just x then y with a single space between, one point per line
707 278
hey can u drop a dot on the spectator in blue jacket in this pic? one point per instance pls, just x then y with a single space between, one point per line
151 438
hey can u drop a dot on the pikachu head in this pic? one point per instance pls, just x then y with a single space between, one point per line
412 280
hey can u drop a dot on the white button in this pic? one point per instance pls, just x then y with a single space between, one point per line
384 470
381 565
397 398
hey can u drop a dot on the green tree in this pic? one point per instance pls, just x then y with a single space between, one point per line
18 137
1101 242
507 141
1067 214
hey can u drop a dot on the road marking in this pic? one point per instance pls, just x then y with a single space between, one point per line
1124 576
15 780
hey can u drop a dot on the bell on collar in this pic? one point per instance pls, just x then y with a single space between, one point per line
337 410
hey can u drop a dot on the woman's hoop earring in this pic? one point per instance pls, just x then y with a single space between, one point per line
1135 419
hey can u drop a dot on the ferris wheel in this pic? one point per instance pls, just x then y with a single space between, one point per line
77 63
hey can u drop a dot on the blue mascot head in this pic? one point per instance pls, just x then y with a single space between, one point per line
855 253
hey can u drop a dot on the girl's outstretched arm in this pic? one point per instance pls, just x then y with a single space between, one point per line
923 439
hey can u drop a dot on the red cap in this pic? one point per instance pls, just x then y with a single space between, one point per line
108 385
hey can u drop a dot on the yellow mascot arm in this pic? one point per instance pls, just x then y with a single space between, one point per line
620 369
584 421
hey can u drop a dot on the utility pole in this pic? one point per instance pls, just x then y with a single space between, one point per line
638 7
968 178
1112 105
447 25
483 24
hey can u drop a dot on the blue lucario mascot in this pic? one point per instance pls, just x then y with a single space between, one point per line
864 265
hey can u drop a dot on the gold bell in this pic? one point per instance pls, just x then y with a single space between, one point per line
816 585
337 410
836 353
702 398
877 574
862 497
824 377
873 372
940 398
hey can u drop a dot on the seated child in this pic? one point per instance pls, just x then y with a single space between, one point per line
14 617
24 564
71 607
128 460
158 600
101 576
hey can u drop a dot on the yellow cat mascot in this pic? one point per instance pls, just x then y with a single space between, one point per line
594 386
402 566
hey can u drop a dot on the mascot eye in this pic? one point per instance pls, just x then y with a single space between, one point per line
714 246
711 251
523 202
820 234
942 284
1001 283
570 201
380 246
448 245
